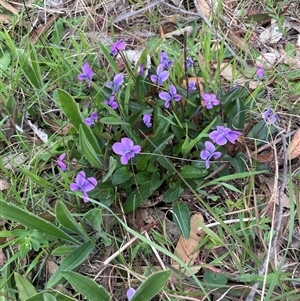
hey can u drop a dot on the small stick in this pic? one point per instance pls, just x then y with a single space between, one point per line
219 36
113 256
284 181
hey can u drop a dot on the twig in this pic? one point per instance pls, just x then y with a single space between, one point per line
268 144
232 221
127 15
201 16
113 256
284 181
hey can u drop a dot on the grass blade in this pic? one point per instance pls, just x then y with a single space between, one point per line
30 221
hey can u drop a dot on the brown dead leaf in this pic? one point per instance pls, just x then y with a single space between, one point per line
186 248
198 80
274 191
295 146
237 41
12 161
9 7
272 34
174 276
171 228
5 19
227 71
265 157
35 34
294 63
205 7
56 127
2 258
180 32
4 184
268 60
51 267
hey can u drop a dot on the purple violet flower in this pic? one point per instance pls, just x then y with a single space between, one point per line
130 292
147 120
141 69
260 72
116 83
269 116
160 76
192 86
111 102
91 120
87 73
208 153
222 134
60 162
83 184
164 60
117 46
210 100
168 97
126 149
189 62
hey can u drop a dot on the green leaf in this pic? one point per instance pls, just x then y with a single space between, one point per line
24 287
5 61
58 296
258 17
290 50
151 286
111 168
49 297
86 286
167 164
63 250
30 221
181 217
94 218
214 278
229 98
188 145
238 162
237 116
71 262
124 107
137 197
87 149
293 75
71 110
30 67
192 172
36 178
141 194
260 131
67 220
140 87
231 187
113 121
109 58
143 162
172 194
159 143
121 175
232 177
